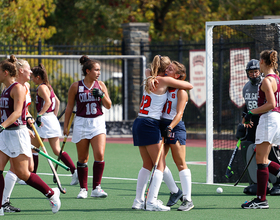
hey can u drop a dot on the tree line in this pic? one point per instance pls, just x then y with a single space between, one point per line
95 21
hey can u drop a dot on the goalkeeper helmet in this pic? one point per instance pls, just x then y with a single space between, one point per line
253 65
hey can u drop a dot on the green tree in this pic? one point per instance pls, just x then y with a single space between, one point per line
24 21
98 21
246 9
87 21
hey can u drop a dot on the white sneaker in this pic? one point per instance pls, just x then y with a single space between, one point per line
1 211
75 179
157 206
82 194
21 182
98 192
138 204
55 201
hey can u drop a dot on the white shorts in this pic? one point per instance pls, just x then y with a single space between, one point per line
268 129
87 128
50 128
15 142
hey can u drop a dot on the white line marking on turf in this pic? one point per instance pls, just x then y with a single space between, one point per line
131 179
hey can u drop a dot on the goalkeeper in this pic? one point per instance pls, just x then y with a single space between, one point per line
250 95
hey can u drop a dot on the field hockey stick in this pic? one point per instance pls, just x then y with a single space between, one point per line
63 190
152 175
64 141
245 169
51 158
62 113
229 171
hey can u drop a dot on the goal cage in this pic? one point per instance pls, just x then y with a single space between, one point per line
230 45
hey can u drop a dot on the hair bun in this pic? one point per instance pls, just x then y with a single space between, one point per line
84 59
12 58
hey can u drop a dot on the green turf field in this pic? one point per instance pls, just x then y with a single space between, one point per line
122 163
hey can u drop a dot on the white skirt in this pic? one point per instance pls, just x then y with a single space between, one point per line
15 142
87 128
50 126
268 129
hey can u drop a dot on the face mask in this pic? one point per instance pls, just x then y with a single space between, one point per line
256 80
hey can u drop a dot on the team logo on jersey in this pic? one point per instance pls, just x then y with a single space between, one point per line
81 89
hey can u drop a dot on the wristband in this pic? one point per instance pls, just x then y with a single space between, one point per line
169 127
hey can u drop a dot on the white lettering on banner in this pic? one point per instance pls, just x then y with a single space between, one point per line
198 76
238 77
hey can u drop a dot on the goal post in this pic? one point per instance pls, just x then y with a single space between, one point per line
229 46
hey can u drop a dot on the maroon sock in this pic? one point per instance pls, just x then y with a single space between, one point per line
262 179
98 168
36 182
36 162
2 185
274 168
83 176
66 159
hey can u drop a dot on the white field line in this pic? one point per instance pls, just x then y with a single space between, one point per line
131 179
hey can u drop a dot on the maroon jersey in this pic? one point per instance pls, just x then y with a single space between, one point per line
88 106
7 107
40 102
261 94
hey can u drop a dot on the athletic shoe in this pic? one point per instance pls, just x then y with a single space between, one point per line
55 201
8 208
21 182
75 179
1 211
137 204
98 192
157 206
186 206
82 194
174 197
255 204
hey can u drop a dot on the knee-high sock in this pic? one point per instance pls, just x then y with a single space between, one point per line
274 168
66 159
36 162
2 185
155 186
98 168
143 177
10 180
169 181
186 183
82 170
36 182
262 178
